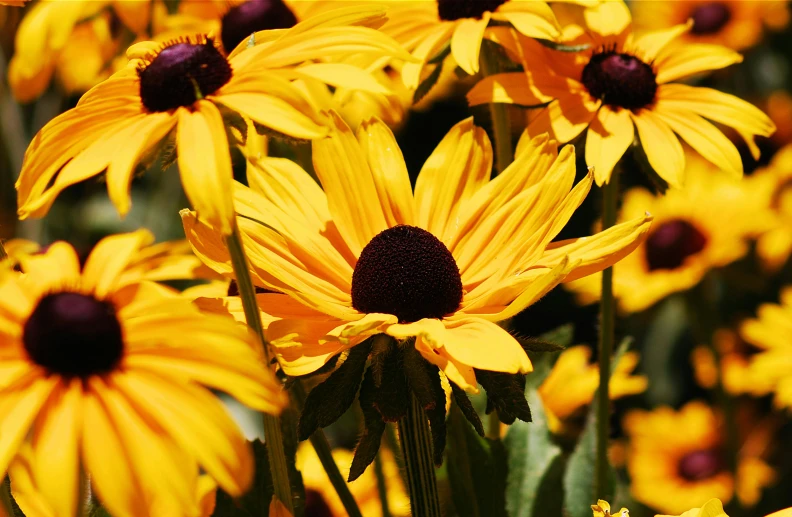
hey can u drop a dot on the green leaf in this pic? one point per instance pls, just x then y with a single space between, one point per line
580 472
476 470
564 48
534 465
427 84
256 501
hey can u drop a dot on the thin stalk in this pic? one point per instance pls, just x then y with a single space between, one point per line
610 198
382 486
501 127
325 454
493 425
416 444
272 429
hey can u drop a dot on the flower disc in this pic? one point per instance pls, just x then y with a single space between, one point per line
671 243
620 80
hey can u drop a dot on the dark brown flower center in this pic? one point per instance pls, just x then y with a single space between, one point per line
450 10
709 18
181 74
407 272
315 504
252 16
699 465
668 246
620 80
74 335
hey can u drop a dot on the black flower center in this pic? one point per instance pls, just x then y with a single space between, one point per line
698 465
181 74
74 335
407 272
620 80
710 18
671 243
450 10
252 16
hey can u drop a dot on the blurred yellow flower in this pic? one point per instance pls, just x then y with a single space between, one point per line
714 508
621 89
770 332
322 499
681 453
736 24
738 377
573 381
372 242
706 225
186 87
110 375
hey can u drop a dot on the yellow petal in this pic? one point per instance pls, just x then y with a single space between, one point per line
532 19
464 340
57 268
389 171
459 166
705 138
109 258
608 18
342 75
662 147
297 346
514 88
466 42
205 164
429 46
24 489
565 118
691 58
652 43
607 139
347 179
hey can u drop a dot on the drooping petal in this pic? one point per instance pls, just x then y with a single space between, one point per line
389 171
607 139
205 164
431 44
691 58
458 167
565 118
109 258
532 19
484 345
466 42
297 345
662 147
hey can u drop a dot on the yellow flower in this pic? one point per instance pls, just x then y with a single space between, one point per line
186 87
712 508
425 27
686 240
14 3
573 381
676 459
770 332
102 372
773 188
733 23
622 88
602 509
353 260
738 377
322 499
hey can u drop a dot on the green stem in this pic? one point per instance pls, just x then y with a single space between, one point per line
501 127
382 486
325 454
272 429
416 444
493 425
610 198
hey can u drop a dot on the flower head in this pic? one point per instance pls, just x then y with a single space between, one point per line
185 90
425 274
622 87
602 509
687 239
106 372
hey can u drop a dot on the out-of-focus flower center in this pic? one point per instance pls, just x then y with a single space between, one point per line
450 10
698 465
709 18
315 504
407 272
252 16
74 335
620 80
668 246
181 74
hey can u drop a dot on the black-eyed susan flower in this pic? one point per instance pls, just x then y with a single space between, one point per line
773 187
712 508
185 87
731 23
686 240
425 27
677 461
737 376
322 499
109 376
768 331
603 509
623 88
572 382
425 274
